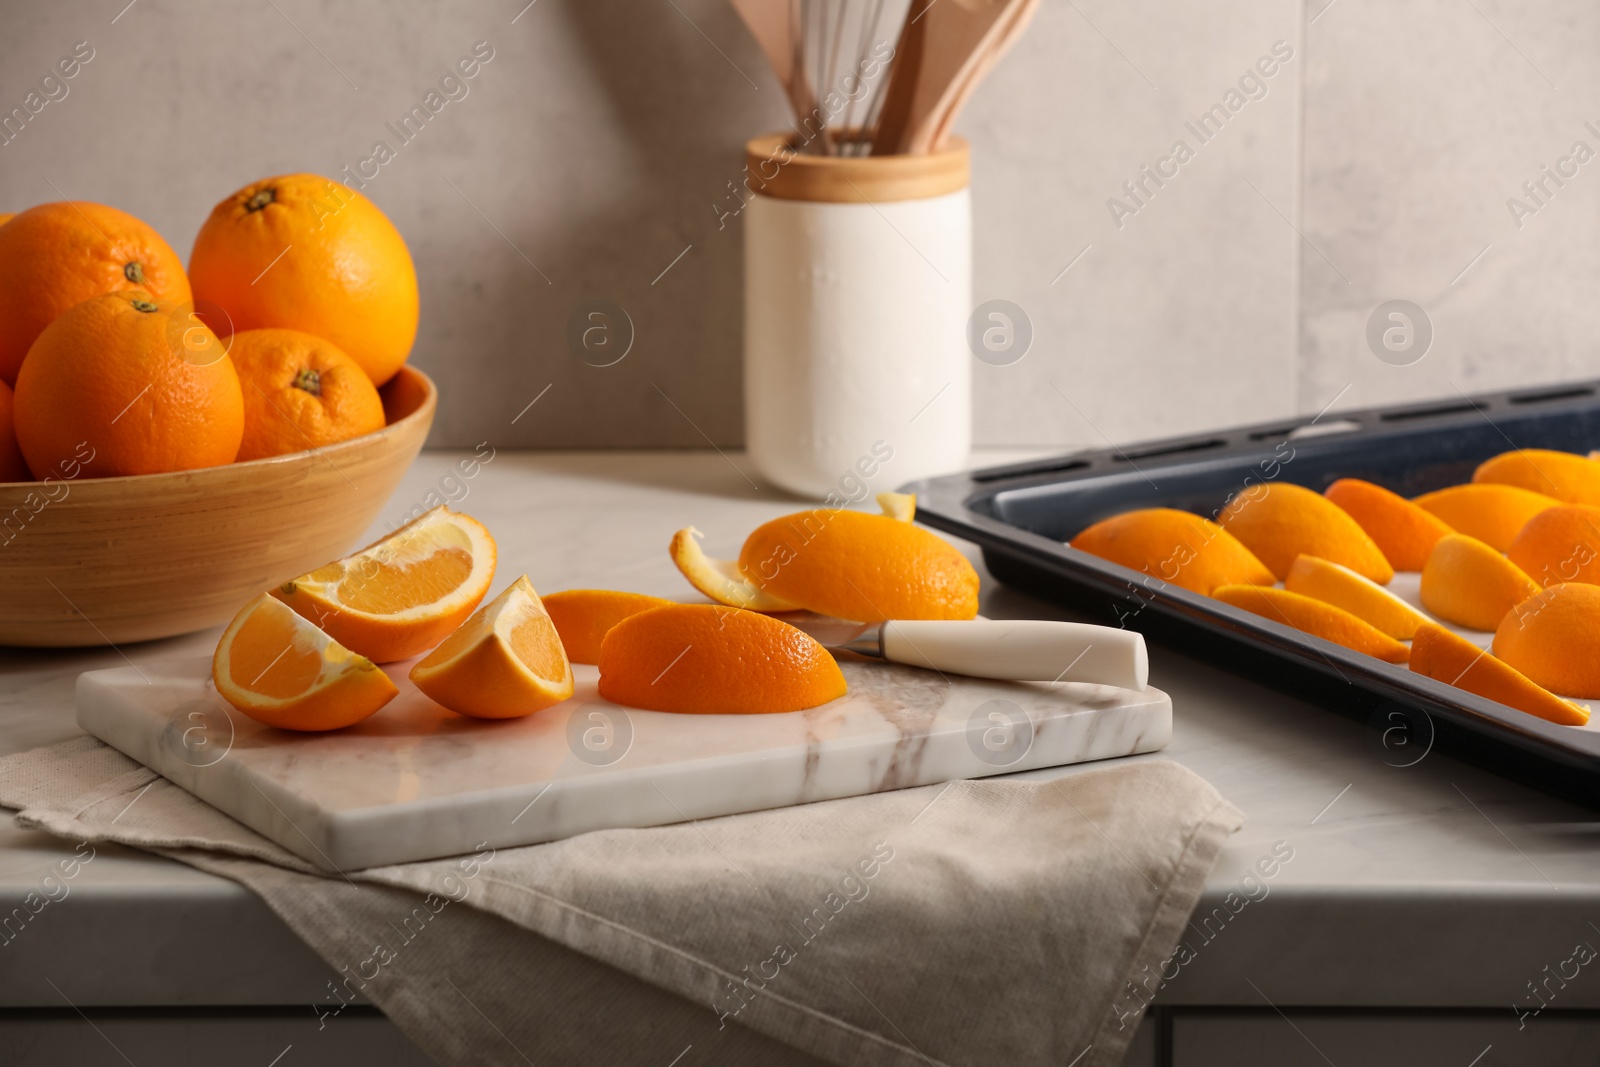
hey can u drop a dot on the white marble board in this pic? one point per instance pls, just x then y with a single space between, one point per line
416 781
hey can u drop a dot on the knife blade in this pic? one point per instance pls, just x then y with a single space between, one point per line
1019 650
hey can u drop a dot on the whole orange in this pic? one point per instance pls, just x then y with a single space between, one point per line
300 392
126 384
305 253
12 468
6 218
57 255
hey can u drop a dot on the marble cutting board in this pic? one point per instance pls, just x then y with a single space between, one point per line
417 782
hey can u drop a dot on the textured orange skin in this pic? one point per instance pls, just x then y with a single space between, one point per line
859 566
113 376
1176 546
1442 655
1570 478
1470 584
347 276
1328 582
280 417
1314 617
1280 521
1560 544
1494 514
1403 532
583 617
333 708
12 466
55 256
1553 637
714 659
6 218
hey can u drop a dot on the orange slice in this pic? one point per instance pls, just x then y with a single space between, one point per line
1403 532
1567 477
709 658
404 594
503 663
1314 617
1470 584
281 670
1492 513
1280 521
1560 544
1178 547
1361 597
582 617
1553 637
1449 658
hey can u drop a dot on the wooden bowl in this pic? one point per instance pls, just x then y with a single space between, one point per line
103 561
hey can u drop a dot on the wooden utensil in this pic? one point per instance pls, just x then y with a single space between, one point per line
776 29
1017 21
942 42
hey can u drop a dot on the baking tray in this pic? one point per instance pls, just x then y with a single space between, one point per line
1021 515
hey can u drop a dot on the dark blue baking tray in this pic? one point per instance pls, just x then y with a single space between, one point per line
1021 515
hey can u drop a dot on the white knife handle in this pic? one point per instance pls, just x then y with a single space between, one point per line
1029 650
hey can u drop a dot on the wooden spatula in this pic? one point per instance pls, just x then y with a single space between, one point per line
941 43
1014 23
776 30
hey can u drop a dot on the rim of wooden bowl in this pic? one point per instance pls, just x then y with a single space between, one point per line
424 410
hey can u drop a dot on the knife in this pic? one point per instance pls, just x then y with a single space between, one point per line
1022 650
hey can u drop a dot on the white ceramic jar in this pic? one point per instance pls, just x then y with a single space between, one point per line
857 287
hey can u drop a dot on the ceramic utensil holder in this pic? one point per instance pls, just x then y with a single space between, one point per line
857 288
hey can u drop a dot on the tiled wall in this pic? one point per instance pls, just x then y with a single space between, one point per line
594 149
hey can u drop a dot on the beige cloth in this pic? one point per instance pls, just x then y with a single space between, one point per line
977 922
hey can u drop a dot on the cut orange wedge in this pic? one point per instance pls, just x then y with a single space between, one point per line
582 617
404 594
281 670
504 663
1342 587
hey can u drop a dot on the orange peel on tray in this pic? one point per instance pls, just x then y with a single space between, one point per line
1335 584
1280 520
1314 617
1553 637
1403 532
1470 584
1175 546
1570 478
1494 514
1439 654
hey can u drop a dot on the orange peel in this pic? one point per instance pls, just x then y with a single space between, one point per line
1191 552
1553 637
1449 658
1470 584
1335 584
583 616
1403 532
1314 617
1280 521
1566 476
1494 514
1560 544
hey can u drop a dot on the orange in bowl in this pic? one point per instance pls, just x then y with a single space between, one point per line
12 466
305 253
403 594
714 659
1567 477
505 662
1553 637
1470 584
55 256
583 617
1494 514
1280 521
300 392
128 385
1175 546
1403 532
281 670
1560 544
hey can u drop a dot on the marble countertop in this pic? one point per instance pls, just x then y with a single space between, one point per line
1431 885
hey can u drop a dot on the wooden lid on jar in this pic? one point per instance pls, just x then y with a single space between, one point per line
774 167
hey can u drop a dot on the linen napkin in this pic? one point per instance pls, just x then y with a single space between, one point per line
977 922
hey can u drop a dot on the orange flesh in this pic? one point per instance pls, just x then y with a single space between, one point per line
383 588
539 648
265 658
